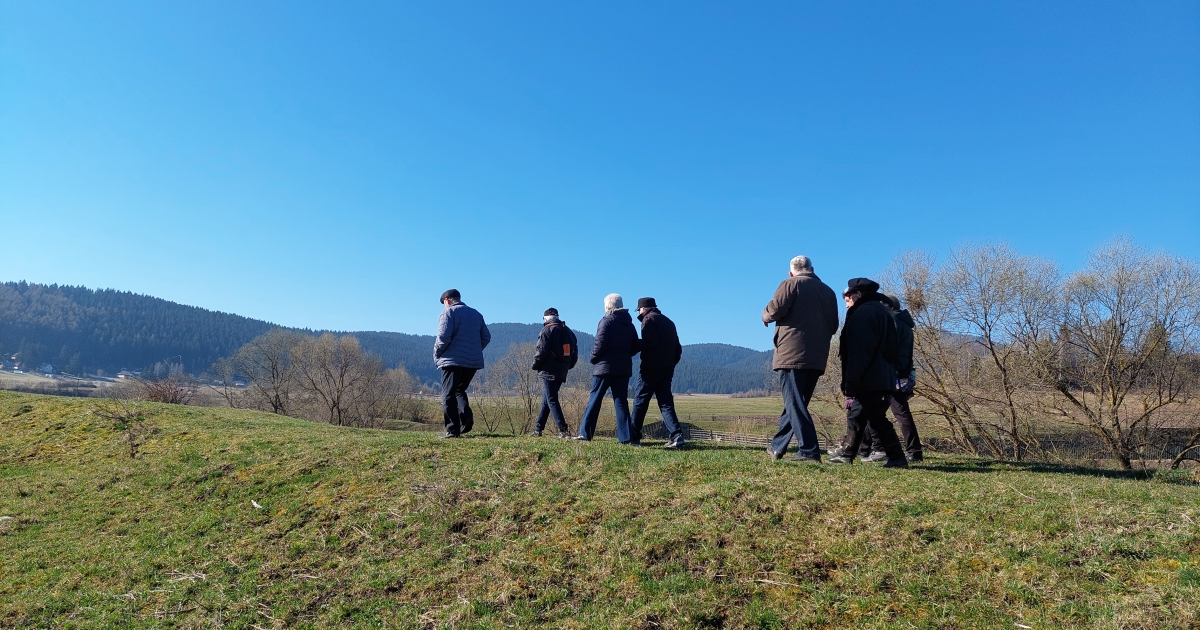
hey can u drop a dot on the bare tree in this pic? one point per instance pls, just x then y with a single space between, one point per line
516 390
1125 350
226 370
267 364
341 380
128 416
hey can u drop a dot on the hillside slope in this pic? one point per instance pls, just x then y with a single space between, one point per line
80 330
245 519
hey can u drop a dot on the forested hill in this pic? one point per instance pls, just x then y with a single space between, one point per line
79 330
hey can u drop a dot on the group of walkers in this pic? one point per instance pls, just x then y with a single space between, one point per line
875 351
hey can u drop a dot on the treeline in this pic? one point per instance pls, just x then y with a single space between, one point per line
84 331
80 330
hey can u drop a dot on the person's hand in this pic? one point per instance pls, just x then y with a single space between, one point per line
765 324
849 403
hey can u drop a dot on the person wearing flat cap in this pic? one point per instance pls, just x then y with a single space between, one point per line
661 352
557 352
804 310
869 351
458 352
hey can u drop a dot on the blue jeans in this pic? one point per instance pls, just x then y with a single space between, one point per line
620 394
550 407
658 386
798 387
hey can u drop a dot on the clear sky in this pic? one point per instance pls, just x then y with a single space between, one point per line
338 165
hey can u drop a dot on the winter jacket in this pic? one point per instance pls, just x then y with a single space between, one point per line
661 350
616 343
868 349
461 338
557 352
805 312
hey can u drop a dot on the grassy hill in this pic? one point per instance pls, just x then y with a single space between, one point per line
395 529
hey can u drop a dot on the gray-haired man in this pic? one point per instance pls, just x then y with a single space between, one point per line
805 312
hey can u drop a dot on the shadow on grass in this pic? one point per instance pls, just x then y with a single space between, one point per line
994 465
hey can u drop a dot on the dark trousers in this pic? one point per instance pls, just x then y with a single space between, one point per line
620 394
870 410
657 386
908 430
798 387
550 407
455 409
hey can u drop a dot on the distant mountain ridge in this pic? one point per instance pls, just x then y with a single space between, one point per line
81 330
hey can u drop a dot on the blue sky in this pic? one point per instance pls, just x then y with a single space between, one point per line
339 165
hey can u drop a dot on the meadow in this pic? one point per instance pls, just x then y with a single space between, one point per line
243 519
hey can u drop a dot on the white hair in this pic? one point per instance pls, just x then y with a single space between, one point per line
801 263
612 302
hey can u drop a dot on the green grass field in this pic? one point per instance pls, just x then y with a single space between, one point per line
362 528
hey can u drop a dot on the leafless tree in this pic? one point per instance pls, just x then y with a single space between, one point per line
226 371
128 416
267 364
341 380
1125 350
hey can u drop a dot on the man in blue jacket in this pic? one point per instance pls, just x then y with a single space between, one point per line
458 350
616 343
661 352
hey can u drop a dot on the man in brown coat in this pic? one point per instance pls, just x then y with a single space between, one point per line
805 312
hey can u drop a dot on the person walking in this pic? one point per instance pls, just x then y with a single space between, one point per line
868 351
458 352
612 356
661 352
804 310
906 373
557 352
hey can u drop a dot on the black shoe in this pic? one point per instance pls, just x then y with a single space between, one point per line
916 457
635 443
674 444
564 435
804 459
835 452
775 455
448 435
840 459
896 463
536 434
875 458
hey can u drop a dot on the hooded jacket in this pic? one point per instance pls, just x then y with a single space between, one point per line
461 338
616 343
805 312
661 349
557 351
868 348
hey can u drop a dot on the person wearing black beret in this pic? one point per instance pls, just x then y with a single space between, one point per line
661 352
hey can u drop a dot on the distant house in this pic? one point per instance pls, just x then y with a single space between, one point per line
48 369
125 374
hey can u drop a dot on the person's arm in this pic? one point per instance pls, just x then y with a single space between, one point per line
861 351
540 355
445 334
779 306
598 349
485 335
678 346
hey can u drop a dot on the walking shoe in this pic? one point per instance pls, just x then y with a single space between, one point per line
804 459
674 444
916 457
536 434
836 451
580 437
634 443
840 459
564 435
775 455
448 435
875 457
896 463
